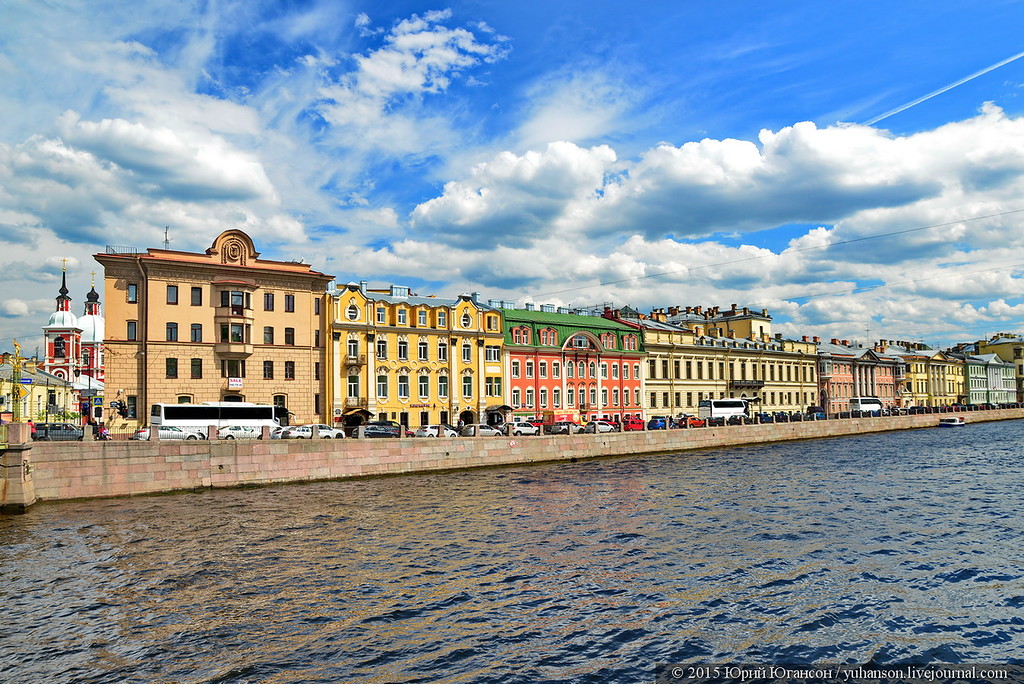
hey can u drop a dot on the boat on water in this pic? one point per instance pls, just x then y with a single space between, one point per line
953 421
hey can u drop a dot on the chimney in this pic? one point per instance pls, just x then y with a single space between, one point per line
805 339
697 310
835 340
362 286
778 336
689 309
746 311
733 308
673 311
846 343
816 339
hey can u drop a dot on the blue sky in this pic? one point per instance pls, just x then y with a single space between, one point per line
577 153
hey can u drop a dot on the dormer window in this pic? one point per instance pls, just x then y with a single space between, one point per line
352 312
467 320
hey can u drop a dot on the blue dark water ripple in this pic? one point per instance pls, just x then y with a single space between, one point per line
884 547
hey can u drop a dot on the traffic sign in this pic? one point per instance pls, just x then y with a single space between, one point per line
26 381
20 392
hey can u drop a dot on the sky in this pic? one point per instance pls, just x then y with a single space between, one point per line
856 168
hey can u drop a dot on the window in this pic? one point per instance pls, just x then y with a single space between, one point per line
172 294
442 386
172 367
316 309
467 320
423 350
197 368
403 386
615 371
542 369
442 350
467 386
604 397
556 369
289 336
615 396
133 293
403 350
316 370
289 370
353 386
352 312
237 301
593 395
59 349
543 398
196 332
172 332
467 353
492 387
280 400
232 368
382 348
570 369
570 396
133 330
197 296
424 386
604 372
382 315
268 301
132 406
268 370
316 338
403 317
421 319
492 353
593 369
268 335
289 303
556 398
442 319
516 401
382 386
353 348
492 322
235 333
515 369
529 369
529 397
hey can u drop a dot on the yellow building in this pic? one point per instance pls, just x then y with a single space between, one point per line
697 353
932 377
41 397
416 360
223 325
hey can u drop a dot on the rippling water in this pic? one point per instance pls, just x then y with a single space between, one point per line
886 547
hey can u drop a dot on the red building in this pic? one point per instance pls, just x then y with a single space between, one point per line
563 366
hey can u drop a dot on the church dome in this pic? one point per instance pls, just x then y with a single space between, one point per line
92 328
62 319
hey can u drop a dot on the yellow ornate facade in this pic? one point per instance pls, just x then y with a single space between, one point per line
932 377
393 355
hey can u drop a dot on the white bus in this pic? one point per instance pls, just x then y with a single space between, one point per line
198 417
722 408
865 404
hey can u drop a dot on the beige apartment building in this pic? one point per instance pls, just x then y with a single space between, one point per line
697 353
223 325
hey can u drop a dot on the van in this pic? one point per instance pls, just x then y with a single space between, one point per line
865 405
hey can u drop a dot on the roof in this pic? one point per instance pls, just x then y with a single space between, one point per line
560 319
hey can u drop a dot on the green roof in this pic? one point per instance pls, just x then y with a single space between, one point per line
567 325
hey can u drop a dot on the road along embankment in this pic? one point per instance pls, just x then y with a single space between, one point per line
51 471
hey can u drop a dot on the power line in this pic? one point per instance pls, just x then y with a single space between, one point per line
773 254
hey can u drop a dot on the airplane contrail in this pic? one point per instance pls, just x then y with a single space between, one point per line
943 89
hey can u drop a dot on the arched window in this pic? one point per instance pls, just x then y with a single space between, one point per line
59 348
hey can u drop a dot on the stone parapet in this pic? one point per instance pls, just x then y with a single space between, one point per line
60 471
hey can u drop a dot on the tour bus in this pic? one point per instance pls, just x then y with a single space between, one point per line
198 417
866 404
722 408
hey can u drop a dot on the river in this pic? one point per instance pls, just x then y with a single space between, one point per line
882 548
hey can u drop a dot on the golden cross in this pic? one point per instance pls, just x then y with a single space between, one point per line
93 274
64 266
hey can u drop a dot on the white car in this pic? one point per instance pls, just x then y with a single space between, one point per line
481 431
240 432
306 432
167 432
600 426
436 431
521 428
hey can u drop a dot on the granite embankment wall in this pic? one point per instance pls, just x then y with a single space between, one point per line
104 469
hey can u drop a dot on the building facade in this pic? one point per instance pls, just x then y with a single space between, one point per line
1010 348
932 377
846 371
223 325
987 379
697 353
394 355
565 366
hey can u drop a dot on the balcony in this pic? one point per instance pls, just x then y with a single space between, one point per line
233 349
355 359
355 402
746 384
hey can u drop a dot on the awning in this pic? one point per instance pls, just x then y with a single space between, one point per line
349 412
492 409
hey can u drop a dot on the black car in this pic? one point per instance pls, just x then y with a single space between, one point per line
57 432
381 428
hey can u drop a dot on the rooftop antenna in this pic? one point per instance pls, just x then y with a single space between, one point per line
167 240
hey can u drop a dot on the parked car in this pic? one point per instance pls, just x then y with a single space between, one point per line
657 423
57 432
436 431
521 428
689 421
596 426
306 432
240 432
481 430
563 427
167 432
382 429
632 425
